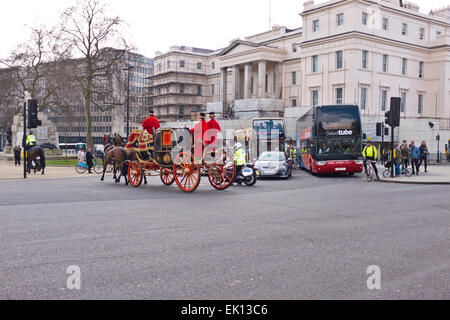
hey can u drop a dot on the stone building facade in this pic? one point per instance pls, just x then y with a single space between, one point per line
347 52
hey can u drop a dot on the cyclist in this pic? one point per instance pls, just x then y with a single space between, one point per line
370 153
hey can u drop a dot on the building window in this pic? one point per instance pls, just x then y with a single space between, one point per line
421 33
421 69
315 97
266 85
364 18
385 23
402 101
181 63
339 60
316 25
404 29
420 104
181 110
199 66
159 67
404 64
363 98
213 65
340 19
182 88
294 102
294 47
385 62
339 95
364 59
294 78
199 89
383 100
212 90
251 85
315 64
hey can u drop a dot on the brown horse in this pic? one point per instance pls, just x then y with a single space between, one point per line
35 154
116 155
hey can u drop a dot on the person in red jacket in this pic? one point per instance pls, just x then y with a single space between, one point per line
214 126
151 123
199 130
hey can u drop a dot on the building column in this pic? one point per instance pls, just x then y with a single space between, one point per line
223 85
236 84
248 81
261 78
279 80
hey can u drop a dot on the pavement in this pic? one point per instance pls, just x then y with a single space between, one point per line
306 238
437 174
8 171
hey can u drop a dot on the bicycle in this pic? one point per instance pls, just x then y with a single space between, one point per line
81 167
370 171
406 171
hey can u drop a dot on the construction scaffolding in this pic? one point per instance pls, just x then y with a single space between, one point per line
184 82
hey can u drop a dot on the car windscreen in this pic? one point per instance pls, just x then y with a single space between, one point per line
272 156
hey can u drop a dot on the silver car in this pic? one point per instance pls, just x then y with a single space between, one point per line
274 164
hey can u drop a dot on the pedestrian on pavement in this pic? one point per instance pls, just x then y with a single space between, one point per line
397 160
405 154
414 154
423 155
89 158
17 150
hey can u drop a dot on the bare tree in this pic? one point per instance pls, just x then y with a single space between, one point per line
96 39
36 66
9 105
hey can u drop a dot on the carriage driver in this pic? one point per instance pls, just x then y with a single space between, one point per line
150 124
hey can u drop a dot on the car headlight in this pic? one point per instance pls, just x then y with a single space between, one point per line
359 161
321 163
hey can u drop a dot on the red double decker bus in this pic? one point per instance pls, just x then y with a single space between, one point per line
331 140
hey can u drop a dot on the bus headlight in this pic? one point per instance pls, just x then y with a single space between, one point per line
321 163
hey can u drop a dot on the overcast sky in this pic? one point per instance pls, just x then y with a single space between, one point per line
156 25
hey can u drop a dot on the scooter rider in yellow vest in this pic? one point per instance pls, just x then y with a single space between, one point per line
239 158
370 153
31 141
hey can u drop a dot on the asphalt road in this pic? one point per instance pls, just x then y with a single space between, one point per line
306 238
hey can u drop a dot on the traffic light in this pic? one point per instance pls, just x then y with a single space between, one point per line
388 116
395 111
33 121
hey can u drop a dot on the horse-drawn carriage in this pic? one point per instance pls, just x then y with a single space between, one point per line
172 154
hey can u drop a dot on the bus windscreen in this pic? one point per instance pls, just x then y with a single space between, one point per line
268 127
338 121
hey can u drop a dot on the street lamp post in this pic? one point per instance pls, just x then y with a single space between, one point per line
438 138
129 68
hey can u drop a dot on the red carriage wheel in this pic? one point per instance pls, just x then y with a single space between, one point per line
167 177
221 176
135 174
186 172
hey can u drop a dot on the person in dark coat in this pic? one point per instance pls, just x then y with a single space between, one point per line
89 158
17 150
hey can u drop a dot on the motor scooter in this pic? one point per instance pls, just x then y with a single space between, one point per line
248 175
